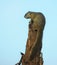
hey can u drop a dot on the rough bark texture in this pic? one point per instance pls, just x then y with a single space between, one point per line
36 59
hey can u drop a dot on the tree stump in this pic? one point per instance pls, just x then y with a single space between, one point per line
37 59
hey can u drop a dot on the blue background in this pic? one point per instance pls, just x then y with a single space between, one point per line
14 29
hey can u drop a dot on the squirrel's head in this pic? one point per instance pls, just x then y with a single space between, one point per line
28 15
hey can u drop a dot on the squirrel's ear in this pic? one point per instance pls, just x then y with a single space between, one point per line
29 12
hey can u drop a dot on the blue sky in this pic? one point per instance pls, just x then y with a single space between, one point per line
14 29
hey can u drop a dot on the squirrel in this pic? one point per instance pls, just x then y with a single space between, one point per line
37 17
38 23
